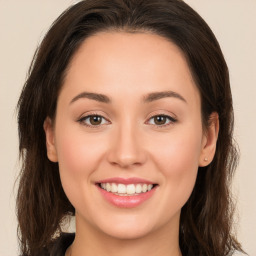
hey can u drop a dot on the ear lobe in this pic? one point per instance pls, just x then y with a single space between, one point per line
209 141
50 140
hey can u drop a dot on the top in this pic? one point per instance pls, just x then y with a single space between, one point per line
59 246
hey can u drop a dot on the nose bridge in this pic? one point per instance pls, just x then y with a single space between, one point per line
127 149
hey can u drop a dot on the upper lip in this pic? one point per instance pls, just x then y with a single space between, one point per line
132 180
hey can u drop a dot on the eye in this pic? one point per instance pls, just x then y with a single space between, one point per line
93 120
161 120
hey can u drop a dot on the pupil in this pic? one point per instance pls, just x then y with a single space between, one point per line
160 120
95 120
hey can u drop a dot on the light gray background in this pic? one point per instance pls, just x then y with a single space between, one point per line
22 26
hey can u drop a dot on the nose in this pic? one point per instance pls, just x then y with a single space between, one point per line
126 149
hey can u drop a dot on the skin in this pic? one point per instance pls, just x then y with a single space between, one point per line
129 142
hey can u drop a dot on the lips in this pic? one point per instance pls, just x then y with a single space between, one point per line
126 192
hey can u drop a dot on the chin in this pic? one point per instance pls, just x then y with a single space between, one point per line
125 227
127 233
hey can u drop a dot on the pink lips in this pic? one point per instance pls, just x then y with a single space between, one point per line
126 201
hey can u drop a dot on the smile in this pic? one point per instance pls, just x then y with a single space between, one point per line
126 189
126 192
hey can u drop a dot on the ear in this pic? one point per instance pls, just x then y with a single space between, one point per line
50 140
209 140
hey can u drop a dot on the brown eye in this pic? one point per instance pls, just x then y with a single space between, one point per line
160 120
95 120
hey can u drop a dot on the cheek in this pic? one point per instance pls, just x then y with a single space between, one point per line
179 151
78 153
181 156
78 157
177 158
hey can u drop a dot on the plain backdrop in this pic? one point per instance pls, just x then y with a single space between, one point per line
22 26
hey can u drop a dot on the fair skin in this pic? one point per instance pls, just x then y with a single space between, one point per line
128 141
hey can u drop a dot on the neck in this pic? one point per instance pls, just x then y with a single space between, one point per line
91 241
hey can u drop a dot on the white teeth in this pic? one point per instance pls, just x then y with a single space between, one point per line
121 189
114 188
108 187
150 186
138 188
144 188
130 189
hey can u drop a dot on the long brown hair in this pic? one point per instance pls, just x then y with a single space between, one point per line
206 219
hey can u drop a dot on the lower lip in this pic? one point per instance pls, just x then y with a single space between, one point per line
126 201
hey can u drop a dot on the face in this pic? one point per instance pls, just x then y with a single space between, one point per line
128 134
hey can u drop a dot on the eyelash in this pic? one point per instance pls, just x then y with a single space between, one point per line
82 120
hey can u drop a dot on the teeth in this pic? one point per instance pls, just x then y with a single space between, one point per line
121 189
144 188
150 186
114 188
138 188
108 187
130 189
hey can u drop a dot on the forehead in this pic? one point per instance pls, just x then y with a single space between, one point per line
137 63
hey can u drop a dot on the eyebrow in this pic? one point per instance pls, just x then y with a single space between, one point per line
92 96
160 95
146 99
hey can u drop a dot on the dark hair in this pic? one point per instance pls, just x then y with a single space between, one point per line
206 219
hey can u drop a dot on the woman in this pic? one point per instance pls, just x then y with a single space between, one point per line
126 122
